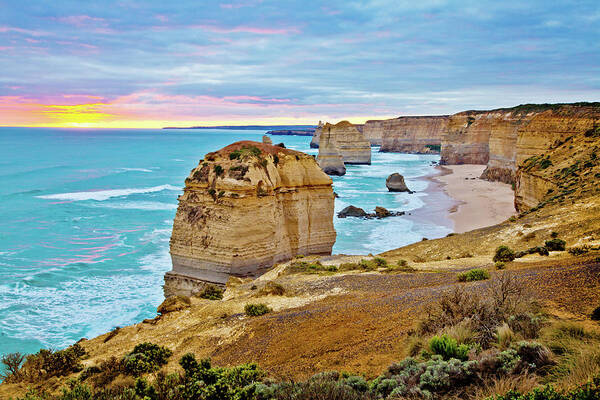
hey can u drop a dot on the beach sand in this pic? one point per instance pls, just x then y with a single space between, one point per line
480 203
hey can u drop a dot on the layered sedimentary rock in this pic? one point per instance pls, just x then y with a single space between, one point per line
352 145
420 135
556 151
329 158
373 131
244 208
314 143
467 138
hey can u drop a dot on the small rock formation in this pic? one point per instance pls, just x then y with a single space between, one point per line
352 211
329 158
244 208
380 212
266 140
174 303
314 143
352 145
395 183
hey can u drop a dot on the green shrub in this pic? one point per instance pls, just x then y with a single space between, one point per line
448 348
218 170
312 267
146 357
380 262
504 253
46 364
476 274
555 245
211 292
587 391
527 324
545 163
499 265
578 250
255 310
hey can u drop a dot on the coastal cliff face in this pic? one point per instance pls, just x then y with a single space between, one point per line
467 138
329 158
314 143
420 135
245 208
352 145
557 154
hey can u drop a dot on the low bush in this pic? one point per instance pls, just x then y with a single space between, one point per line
12 363
145 357
255 310
578 250
527 324
504 253
499 265
312 267
46 364
448 348
476 274
587 391
272 288
555 245
211 292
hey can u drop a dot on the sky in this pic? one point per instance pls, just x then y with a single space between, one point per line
149 64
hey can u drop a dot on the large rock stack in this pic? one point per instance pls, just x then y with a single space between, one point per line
352 145
245 208
329 158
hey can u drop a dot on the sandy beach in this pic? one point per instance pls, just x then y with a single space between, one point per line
480 203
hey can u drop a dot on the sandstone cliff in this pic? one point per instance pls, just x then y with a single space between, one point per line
245 208
558 156
329 158
352 145
314 143
420 135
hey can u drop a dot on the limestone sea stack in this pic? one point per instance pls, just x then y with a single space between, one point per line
329 158
266 140
314 143
395 183
244 208
353 146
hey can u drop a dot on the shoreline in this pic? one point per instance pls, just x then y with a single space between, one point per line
479 203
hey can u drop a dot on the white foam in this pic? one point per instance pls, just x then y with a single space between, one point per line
102 195
139 205
134 170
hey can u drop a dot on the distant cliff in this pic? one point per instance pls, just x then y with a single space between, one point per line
420 135
245 208
292 132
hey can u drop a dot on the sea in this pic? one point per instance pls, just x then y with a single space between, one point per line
86 216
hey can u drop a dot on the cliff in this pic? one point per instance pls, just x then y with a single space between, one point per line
245 208
314 143
352 145
329 158
557 154
420 135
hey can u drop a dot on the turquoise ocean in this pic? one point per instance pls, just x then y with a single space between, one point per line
86 218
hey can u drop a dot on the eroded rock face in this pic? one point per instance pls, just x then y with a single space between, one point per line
245 208
418 135
329 158
266 139
395 183
554 154
352 145
314 143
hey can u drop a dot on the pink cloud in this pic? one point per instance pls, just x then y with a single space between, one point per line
7 29
249 29
80 20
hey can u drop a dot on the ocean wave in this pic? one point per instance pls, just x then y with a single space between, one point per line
139 205
102 195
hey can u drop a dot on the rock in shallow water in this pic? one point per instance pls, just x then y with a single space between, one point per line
380 212
395 183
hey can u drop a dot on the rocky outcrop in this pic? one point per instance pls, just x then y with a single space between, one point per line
555 153
352 145
245 208
395 183
314 143
329 158
266 139
380 212
418 135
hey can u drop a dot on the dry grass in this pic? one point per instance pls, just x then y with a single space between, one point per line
521 383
